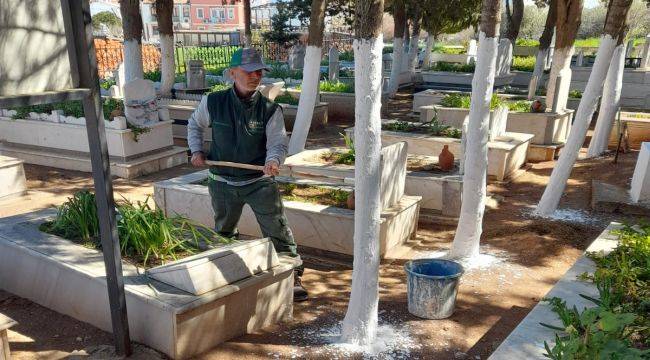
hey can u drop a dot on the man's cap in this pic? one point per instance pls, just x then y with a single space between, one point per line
248 59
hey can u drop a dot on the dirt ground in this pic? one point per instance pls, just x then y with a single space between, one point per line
522 259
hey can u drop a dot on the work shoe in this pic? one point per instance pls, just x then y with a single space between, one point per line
299 292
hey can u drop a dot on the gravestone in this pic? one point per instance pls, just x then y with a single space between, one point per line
387 61
580 59
645 59
333 68
119 75
195 74
504 57
532 86
472 51
297 57
629 48
140 103
640 186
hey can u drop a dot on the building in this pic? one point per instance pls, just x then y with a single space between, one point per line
217 15
180 17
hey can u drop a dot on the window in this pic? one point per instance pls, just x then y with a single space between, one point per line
199 13
175 12
186 11
231 13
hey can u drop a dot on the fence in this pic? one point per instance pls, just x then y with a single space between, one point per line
110 55
217 58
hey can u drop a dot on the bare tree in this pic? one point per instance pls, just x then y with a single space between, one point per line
132 27
164 11
470 224
613 37
360 323
310 78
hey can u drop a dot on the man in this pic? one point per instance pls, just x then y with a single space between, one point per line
246 128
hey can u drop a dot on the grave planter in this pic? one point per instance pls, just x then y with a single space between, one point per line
318 120
506 154
313 225
452 58
12 177
434 97
440 192
65 146
339 105
71 279
548 128
465 79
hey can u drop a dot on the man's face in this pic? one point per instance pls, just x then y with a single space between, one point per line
244 80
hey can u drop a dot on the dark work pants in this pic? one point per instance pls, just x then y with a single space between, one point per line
263 196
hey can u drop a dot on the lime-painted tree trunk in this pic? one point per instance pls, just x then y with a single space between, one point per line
614 34
470 224
426 60
415 40
360 323
164 10
310 77
568 15
545 43
513 24
399 15
132 28
609 103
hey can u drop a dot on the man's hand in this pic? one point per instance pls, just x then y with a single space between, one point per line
272 168
198 159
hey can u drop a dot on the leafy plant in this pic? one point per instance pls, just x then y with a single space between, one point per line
575 94
286 98
336 86
347 157
144 232
110 105
137 130
106 83
453 67
400 126
519 106
154 75
523 63
463 101
346 56
217 86
527 42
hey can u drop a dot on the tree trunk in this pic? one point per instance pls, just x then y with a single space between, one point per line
609 104
398 47
615 28
360 323
310 77
248 35
470 224
567 23
511 33
426 61
545 43
407 44
164 10
413 46
132 28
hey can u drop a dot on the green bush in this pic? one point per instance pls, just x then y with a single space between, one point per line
519 106
336 86
575 94
453 50
346 56
463 101
527 42
523 63
453 67
106 83
286 98
144 232
154 75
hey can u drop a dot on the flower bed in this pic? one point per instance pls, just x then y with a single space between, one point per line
314 225
289 106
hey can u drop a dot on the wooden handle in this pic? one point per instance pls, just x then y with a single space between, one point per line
235 165
285 170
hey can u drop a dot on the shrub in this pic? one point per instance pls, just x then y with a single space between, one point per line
575 94
154 75
523 63
286 98
463 101
452 67
519 106
527 42
336 86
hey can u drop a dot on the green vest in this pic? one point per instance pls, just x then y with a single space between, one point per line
238 132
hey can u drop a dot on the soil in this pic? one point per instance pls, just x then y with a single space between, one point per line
413 162
522 258
315 194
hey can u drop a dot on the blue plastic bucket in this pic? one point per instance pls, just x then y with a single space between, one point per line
432 287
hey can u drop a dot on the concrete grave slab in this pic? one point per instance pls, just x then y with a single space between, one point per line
640 186
12 177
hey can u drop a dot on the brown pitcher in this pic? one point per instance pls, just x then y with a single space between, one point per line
446 159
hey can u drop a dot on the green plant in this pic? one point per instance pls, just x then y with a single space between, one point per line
111 104
346 56
106 83
463 101
347 157
401 126
137 130
154 75
575 94
144 232
523 63
527 42
286 98
335 86
453 50
519 106
217 86
453 67
619 326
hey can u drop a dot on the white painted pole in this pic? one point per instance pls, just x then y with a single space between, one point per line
360 323
168 69
562 170
561 66
540 66
470 224
132 60
608 104
426 61
308 95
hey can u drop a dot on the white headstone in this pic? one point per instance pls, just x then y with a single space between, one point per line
140 103
504 57
580 59
297 57
120 80
532 86
333 68
629 48
195 74
645 59
499 122
472 48
640 186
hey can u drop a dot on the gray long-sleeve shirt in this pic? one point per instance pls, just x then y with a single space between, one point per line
276 137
